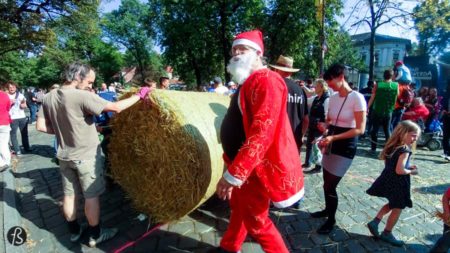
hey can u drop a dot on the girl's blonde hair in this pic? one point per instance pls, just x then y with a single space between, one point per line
397 137
323 83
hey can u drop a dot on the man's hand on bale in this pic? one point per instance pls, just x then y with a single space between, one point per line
144 92
224 189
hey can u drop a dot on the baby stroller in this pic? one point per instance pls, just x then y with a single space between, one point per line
431 137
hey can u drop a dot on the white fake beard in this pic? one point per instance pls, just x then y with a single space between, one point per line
241 66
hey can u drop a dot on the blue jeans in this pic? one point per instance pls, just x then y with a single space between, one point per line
33 111
396 117
21 124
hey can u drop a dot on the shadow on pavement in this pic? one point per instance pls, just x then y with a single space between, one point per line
43 150
435 189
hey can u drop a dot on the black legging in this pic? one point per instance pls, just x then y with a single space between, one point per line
330 183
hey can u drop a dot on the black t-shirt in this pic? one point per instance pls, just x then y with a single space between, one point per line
232 134
297 108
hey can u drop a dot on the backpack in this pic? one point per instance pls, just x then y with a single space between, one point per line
406 97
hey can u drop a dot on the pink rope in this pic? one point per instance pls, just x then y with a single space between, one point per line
129 244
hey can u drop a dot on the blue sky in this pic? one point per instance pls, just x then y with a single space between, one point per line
388 29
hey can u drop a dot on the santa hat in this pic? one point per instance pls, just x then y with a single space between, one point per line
252 39
398 63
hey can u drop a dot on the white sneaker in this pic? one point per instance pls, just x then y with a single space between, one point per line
105 234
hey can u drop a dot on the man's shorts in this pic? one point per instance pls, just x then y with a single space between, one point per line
84 176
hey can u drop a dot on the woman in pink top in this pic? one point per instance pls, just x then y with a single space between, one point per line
5 120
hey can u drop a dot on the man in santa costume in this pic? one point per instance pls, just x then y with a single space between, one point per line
262 160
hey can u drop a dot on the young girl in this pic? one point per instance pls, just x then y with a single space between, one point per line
394 183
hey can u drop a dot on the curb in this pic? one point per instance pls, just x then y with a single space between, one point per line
11 216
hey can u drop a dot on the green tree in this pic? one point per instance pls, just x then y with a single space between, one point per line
196 35
27 25
292 28
432 22
127 27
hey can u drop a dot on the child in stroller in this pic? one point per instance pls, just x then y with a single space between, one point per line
432 133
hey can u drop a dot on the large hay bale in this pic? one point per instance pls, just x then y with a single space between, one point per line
167 155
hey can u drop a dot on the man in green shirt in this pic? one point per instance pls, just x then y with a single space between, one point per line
382 102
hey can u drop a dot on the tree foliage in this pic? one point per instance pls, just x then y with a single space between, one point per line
432 22
78 39
27 25
196 35
128 27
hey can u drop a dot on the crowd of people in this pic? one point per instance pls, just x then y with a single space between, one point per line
269 117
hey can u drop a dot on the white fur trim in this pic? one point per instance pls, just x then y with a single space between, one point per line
290 201
231 179
247 42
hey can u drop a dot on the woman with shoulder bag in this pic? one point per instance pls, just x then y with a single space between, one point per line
346 120
317 113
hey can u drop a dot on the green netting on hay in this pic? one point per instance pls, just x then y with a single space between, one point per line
167 155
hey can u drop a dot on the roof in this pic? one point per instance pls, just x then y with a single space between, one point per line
364 39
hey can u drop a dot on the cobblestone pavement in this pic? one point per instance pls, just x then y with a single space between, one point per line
39 192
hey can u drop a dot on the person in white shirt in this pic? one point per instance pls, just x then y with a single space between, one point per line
219 88
19 119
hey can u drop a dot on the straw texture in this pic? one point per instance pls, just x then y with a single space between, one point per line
166 154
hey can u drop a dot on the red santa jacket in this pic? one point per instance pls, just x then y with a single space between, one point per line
269 151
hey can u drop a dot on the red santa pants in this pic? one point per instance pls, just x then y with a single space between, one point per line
250 214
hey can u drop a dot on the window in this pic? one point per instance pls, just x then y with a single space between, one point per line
364 57
377 58
395 56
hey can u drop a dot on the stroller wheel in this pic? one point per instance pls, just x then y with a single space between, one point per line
434 144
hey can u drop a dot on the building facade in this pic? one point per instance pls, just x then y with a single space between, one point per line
388 50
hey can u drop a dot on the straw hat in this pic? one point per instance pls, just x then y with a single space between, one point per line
284 63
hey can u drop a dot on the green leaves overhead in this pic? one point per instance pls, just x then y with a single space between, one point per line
432 22
128 28
27 25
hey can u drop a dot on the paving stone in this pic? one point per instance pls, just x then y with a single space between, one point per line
298 241
319 239
47 213
353 246
338 235
167 242
370 244
111 215
47 205
182 228
59 230
32 214
301 226
209 238
146 245
399 250
189 241
201 227
29 206
250 247
54 221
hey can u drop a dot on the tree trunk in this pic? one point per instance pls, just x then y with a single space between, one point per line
372 55
197 71
224 40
